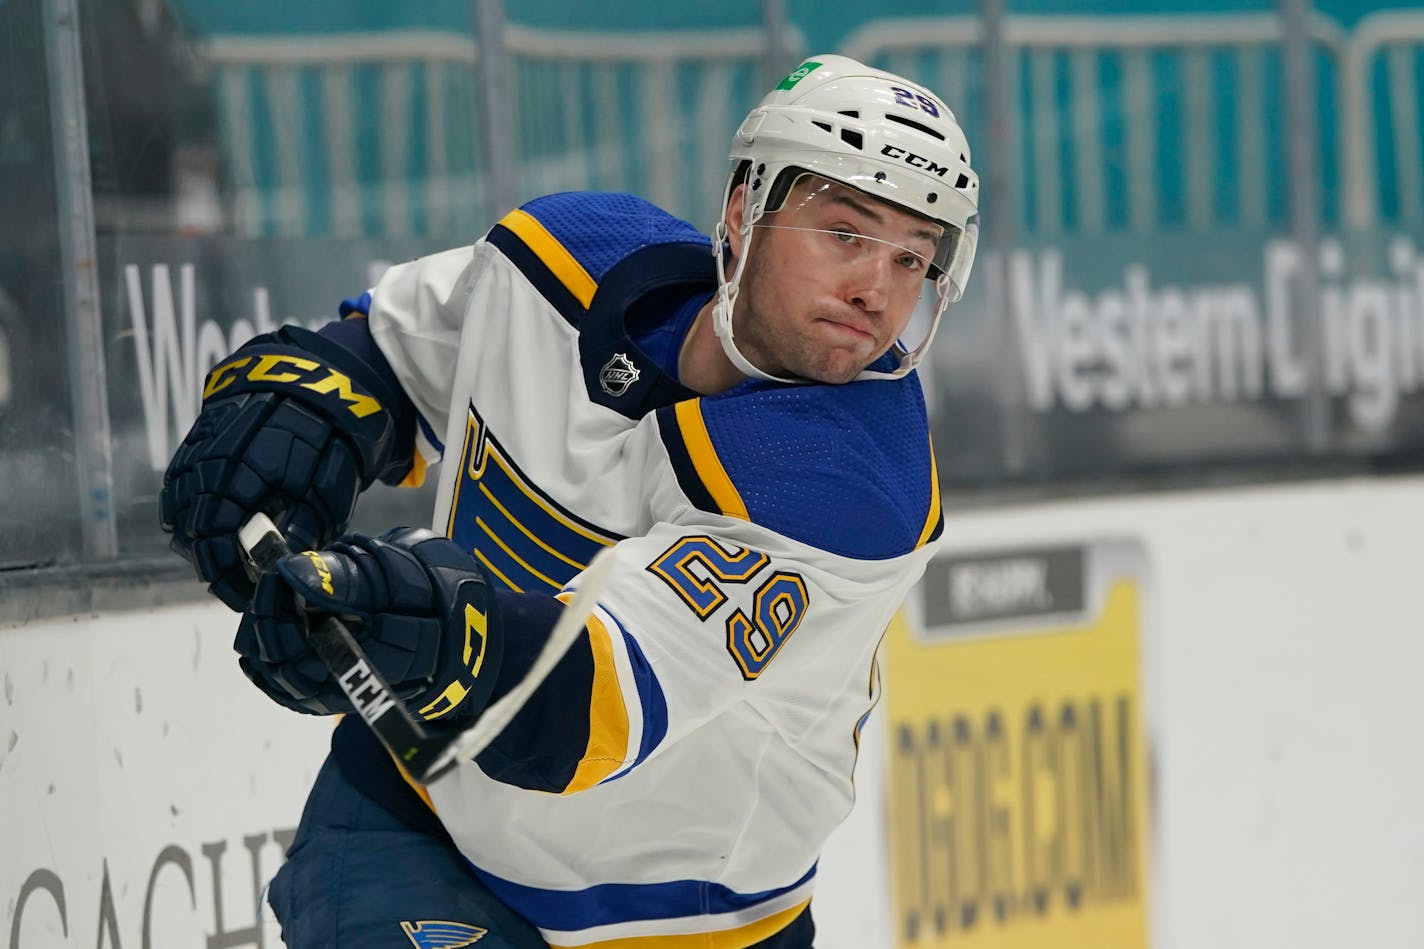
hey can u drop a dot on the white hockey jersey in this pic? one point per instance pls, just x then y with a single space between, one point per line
764 538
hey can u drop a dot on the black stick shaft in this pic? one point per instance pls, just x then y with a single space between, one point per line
370 694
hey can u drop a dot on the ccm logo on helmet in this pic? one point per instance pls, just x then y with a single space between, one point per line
910 158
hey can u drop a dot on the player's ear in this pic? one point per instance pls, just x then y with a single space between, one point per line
736 207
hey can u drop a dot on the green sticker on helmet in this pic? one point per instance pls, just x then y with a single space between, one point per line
801 72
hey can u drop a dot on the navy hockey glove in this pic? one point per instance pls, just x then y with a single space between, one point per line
294 425
419 606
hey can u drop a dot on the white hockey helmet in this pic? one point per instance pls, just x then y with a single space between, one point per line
870 130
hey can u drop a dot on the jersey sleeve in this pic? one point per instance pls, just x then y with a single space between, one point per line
562 248
732 599
417 313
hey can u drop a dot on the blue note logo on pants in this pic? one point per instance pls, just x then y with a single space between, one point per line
439 934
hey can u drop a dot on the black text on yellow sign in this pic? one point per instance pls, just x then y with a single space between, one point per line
1017 786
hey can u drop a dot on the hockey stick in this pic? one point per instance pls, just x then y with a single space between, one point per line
427 757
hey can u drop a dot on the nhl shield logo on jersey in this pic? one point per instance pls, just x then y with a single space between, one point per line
618 374
440 934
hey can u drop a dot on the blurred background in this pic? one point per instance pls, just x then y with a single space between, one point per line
1202 260
176 174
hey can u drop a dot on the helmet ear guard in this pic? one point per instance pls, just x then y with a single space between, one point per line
869 130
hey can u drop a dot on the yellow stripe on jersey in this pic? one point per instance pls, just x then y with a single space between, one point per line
480 523
415 477
742 936
548 249
477 452
704 459
497 572
933 519
607 715
489 495
491 453
512 527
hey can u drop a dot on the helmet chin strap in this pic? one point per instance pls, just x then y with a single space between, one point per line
910 359
728 289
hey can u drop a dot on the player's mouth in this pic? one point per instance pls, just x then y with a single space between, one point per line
849 331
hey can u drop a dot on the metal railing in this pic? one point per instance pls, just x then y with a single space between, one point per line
1144 121
1397 37
650 113
1081 77
307 154
1114 124
592 110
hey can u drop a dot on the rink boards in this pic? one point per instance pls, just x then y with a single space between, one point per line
1170 721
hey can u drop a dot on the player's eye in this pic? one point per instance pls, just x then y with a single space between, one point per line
845 237
912 262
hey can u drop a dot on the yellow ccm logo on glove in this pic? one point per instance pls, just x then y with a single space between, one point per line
322 570
476 626
265 369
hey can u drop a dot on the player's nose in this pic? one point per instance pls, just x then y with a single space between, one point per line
867 281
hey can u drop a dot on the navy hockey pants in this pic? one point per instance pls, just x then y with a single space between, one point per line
356 877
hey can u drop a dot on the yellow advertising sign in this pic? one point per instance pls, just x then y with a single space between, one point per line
1017 766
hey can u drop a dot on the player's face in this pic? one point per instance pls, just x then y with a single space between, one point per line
831 282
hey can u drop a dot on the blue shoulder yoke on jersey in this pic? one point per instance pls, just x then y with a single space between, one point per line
593 257
845 468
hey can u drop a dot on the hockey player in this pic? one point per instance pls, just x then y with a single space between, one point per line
738 419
